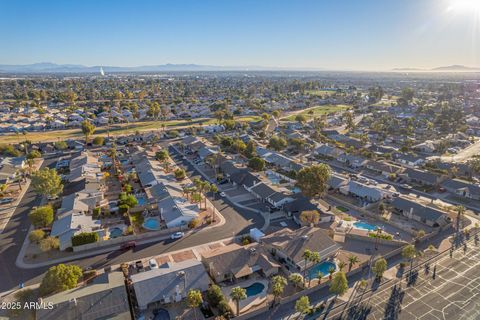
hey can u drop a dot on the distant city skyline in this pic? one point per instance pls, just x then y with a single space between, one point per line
333 35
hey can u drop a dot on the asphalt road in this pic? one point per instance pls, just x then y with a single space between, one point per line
238 221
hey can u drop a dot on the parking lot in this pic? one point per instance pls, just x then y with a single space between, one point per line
454 293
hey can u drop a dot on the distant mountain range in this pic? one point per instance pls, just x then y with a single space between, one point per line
454 68
47 67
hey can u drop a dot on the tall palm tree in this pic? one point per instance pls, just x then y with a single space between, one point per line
314 258
352 260
306 257
278 284
237 294
341 265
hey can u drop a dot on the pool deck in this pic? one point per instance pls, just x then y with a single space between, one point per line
249 302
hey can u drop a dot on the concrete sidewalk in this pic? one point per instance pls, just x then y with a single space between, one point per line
8 213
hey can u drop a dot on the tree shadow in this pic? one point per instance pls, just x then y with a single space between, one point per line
394 304
412 278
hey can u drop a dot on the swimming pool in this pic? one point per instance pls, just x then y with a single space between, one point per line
322 267
115 232
142 200
365 226
151 224
254 289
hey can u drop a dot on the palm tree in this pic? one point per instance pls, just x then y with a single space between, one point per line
296 279
341 265
307 254
314 258
278 284
331 271
409 252
194 299
237 294
319 277
352 260
460 214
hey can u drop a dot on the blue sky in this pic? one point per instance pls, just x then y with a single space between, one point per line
340 34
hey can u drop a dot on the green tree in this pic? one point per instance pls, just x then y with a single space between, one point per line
302 305
339 284
300 118
237 294
194 300
34 154
60 278
352 260
310 217
313 180
251 149
277 143
98 141
409 252
36 235
256 164
88 129
41 217
278 284
296 279
214 295
379 267
179 174
47 182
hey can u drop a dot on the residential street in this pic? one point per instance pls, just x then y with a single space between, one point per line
238 221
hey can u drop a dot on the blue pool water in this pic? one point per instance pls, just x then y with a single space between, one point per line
365 226
323 268
142 201
151 224
254 289
115 232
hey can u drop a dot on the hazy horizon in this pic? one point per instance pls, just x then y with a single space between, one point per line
370 35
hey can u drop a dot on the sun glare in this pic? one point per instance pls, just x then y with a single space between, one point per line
464 5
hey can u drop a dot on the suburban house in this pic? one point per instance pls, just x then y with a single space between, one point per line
9 168
336 181
419 212
269 195
288 246
73 223
235 262
169 283
383 168
365 192
105 298
421 177
352 161
328 151
462 188
408 159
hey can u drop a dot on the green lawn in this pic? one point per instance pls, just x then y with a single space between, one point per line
318 111
115 130
320 92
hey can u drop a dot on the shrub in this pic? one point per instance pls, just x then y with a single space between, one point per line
61 145
96 213
246 240
36 235
123 208
84 238
214 295
49 243
193 223
42 216
34 154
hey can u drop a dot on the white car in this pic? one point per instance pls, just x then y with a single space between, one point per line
153 264
177 235
223 194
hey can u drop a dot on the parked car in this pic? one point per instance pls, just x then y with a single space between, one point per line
406 186
6 200
223 194
128 245
177 235
153 264
139 265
